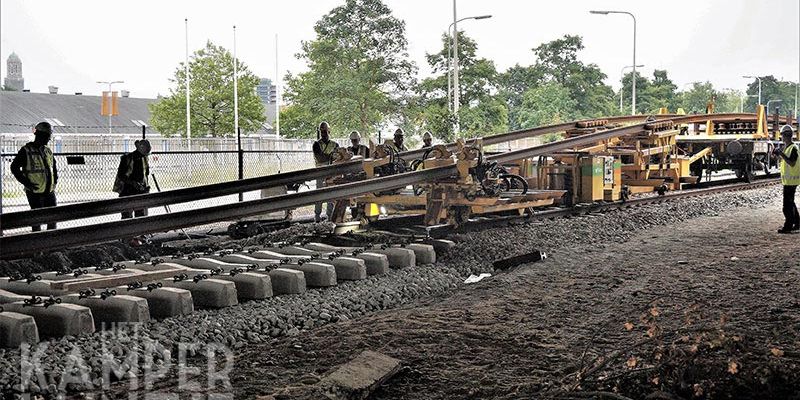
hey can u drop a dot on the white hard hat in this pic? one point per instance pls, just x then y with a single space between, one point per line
355 135
427 135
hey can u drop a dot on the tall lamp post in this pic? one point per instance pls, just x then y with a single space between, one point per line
759 85
622 73
450 57
773 101
633 90
454 61
109 83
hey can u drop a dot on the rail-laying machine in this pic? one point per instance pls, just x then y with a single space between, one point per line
662 156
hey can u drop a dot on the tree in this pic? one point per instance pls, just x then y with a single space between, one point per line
212 113
481 111
559 62
771 89
695 100
546 104
359 72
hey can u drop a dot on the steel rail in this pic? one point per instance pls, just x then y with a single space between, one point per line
103 207
20 219
96 208
17 246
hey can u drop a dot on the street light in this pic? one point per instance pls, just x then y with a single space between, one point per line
109 83
770 101
622 72
759 85
450 56
454 27
633 90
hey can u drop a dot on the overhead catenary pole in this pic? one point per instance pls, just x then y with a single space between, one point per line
187 81
277 93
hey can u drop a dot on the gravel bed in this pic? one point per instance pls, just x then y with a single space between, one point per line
259 321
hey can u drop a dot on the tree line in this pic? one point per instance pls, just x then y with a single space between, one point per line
360 77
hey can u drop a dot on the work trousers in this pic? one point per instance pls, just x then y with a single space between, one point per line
129 191
318 206
41 200
790 208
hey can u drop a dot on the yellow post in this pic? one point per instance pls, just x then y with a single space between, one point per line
761 120
663 110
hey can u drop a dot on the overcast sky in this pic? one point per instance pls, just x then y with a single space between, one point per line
72 44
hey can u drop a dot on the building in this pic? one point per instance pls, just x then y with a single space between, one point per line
268 94
14 79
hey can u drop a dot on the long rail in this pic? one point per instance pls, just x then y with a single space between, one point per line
17 246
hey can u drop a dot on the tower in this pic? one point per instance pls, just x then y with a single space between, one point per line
14 80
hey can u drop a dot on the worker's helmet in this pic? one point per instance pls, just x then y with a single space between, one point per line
43 128
399 132
427 135
355 135
143 146
787 130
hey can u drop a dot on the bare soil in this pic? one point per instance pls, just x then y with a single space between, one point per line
707 308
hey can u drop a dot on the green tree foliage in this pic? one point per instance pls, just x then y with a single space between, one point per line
359 72
695 100
546 104
211 71
728 101
559 61
771 89
651 95
481 112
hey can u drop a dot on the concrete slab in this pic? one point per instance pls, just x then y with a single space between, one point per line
244 258
249 286
349 268
113 309
16 329
316 274
57 320
398 257
440 245
287 281
359 377
163 302
209 293
272 254
38 288
206 263
424 253
377 264
294 251
150 267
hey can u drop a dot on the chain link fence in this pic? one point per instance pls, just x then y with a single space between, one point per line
90 176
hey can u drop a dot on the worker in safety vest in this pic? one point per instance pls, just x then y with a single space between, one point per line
357 148
323 150
35 168
427 139
132 175
397 143
790 178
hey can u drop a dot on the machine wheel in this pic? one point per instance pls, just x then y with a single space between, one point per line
662 190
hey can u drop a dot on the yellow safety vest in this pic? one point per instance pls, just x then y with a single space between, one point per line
790 175
39 168
327 149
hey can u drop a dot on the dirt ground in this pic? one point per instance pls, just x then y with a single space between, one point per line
703 309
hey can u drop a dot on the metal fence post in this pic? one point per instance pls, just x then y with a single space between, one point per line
241 158
144 132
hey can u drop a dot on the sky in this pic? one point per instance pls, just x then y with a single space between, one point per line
72 44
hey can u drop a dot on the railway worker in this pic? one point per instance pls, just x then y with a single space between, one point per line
790 178
132 175
323 150
35 168
397 143
357 148
427 139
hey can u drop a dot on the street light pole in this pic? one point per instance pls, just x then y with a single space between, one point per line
633 90
759 85
622 73
109 83
452 64
187 79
